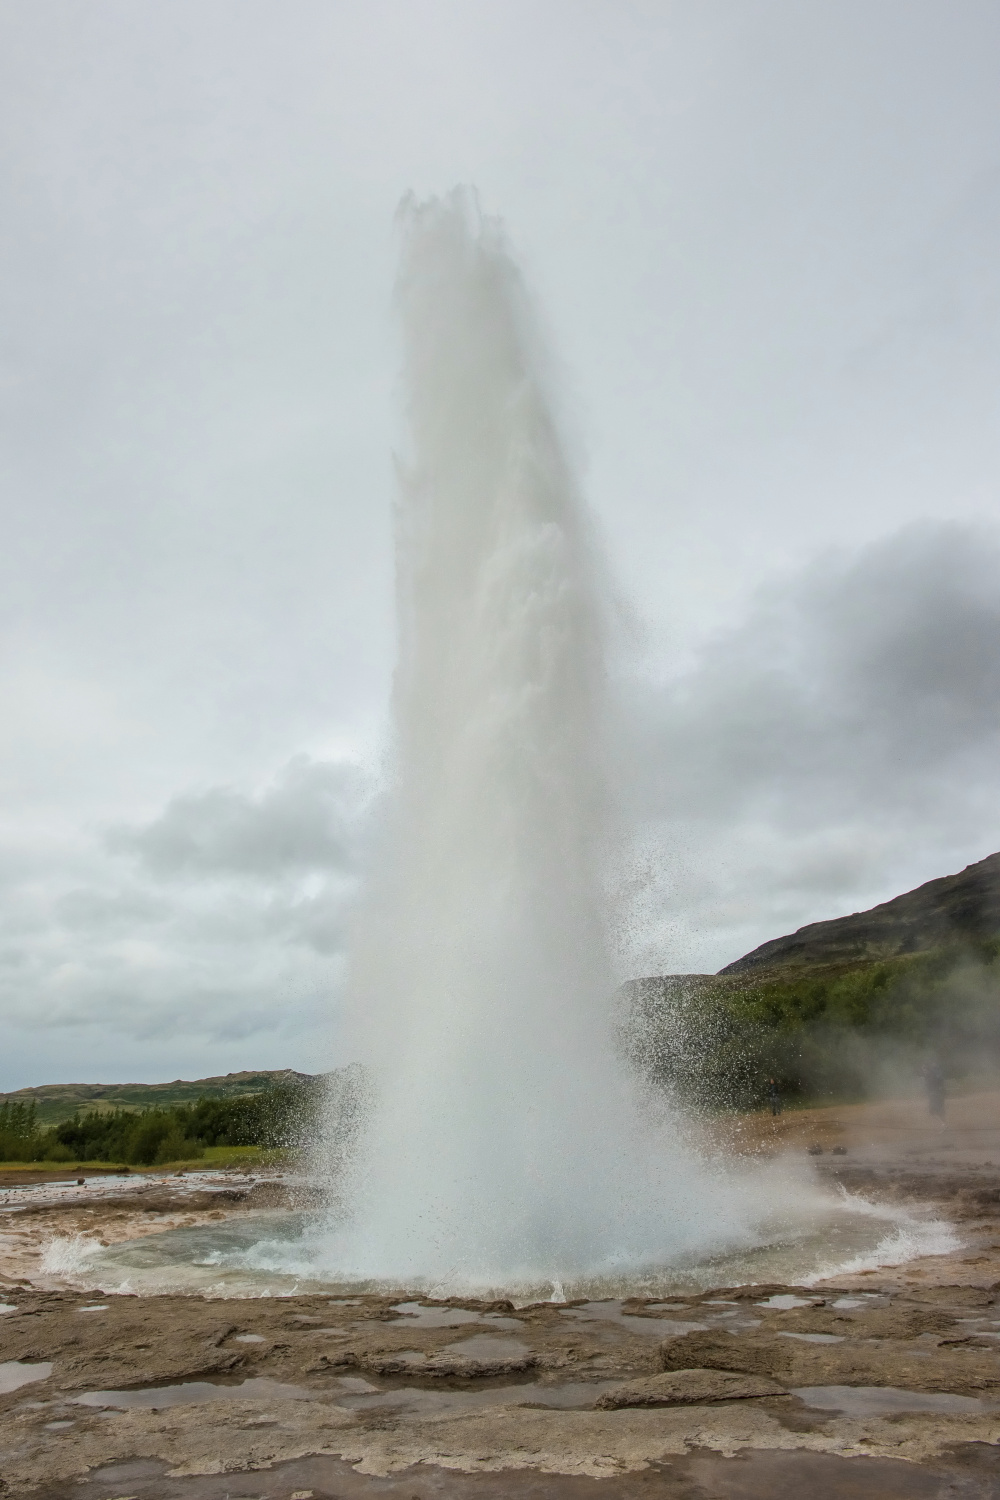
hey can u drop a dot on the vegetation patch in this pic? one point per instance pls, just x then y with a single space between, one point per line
822 1031
216 1130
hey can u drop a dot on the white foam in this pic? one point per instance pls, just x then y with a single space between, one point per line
910 1236
68 1256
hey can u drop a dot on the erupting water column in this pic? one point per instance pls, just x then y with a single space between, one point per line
505 1146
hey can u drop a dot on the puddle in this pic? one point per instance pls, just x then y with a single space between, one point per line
611 1312
850 1302
814 1338
8 1307
785 1301
570 1396
350 1391
194 1393
878 1400
14 1374
734 1320
452 1317
249 1338
102 1308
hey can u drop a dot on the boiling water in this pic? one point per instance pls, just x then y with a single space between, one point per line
278 1254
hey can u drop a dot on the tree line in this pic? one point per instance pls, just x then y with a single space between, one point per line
284 1115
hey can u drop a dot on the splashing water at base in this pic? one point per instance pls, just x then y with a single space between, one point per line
279 1254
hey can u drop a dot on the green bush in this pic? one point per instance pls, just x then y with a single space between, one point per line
822 1033
20 1137
281 1116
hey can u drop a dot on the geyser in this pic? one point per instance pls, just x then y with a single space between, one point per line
506 1147
503 1148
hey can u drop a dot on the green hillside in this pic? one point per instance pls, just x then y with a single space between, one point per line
840 1009
955 909
56 1102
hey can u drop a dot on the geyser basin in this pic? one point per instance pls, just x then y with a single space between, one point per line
278 1254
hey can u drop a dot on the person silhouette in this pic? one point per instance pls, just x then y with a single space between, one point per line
775 1098
934 1084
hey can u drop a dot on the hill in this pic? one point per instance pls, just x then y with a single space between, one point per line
955 908
847 1008
56 1102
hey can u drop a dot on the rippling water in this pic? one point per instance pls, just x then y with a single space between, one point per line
280 1253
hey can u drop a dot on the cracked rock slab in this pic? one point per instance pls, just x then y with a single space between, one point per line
864 1362
690 1388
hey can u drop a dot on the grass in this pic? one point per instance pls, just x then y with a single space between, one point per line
240 1156
66 1166
214 1157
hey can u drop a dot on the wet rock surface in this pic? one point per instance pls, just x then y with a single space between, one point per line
565 1396
689 1388
709 1393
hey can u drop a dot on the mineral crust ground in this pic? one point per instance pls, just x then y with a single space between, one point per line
878 1384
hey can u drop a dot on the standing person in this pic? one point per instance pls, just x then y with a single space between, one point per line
934 1083
775 1098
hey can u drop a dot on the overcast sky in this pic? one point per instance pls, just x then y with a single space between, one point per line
764 234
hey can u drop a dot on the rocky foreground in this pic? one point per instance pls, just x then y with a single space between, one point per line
884 1384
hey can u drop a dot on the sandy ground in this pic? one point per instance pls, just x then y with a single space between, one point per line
885 1384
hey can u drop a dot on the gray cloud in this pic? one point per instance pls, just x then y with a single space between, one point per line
307 819
218 925
842 742
854 684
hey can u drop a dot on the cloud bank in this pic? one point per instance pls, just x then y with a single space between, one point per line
307 820
215 931
840 744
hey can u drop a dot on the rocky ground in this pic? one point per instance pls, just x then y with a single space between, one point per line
884 1384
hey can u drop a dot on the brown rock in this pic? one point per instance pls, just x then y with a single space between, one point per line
956 1296
879 1323
858 1362
690 1388
464 1366
748 1354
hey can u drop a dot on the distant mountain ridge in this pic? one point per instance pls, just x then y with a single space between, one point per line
850 1008
56 1102
936 914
